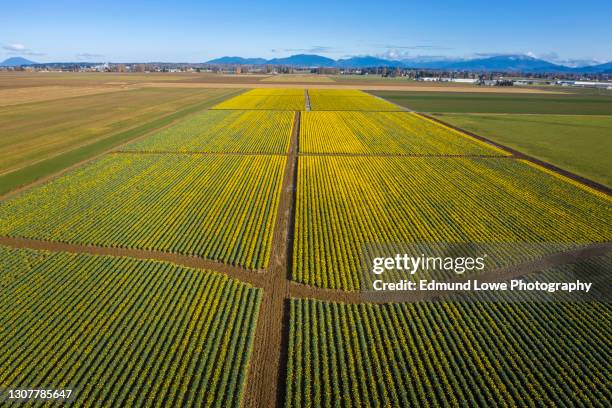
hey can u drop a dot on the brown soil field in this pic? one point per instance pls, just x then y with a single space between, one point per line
16 96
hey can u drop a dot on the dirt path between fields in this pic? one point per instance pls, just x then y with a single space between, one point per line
196 153
307 98
466 156
266 377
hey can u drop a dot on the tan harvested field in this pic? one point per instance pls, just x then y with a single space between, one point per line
210 80
17 96
36 131
27 79
337 85
298 78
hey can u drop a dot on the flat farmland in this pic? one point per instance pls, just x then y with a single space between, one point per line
223 131
298 78
40 138
17 96
218 207
448 354
105 326
344 203
384 133
347 100
33 132
267 99
578 143
240 192
576 102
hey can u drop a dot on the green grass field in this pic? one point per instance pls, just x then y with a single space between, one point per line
41 138
580 144
567 103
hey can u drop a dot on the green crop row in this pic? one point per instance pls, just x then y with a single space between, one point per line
124 332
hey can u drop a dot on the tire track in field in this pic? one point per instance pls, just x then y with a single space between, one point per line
253 277
414 155
195 153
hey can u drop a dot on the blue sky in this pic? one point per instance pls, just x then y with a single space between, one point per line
196 31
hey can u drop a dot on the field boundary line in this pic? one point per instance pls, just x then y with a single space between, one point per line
253 109
401 107
251 276
412 87
450 156
586 182
307 99
195 153
16 190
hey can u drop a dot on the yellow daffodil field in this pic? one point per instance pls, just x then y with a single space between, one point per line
344 203
446 354
384 133
267 99
348 100
219 207
223 131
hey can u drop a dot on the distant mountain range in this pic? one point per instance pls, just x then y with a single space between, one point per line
502 63
16 62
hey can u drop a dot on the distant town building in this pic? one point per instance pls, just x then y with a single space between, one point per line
586 84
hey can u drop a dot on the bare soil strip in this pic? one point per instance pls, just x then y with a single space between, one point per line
520 155
176 152
253 277
265 381
287 289
307 97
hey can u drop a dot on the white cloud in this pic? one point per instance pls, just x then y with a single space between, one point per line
20 49
87 55
15 47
